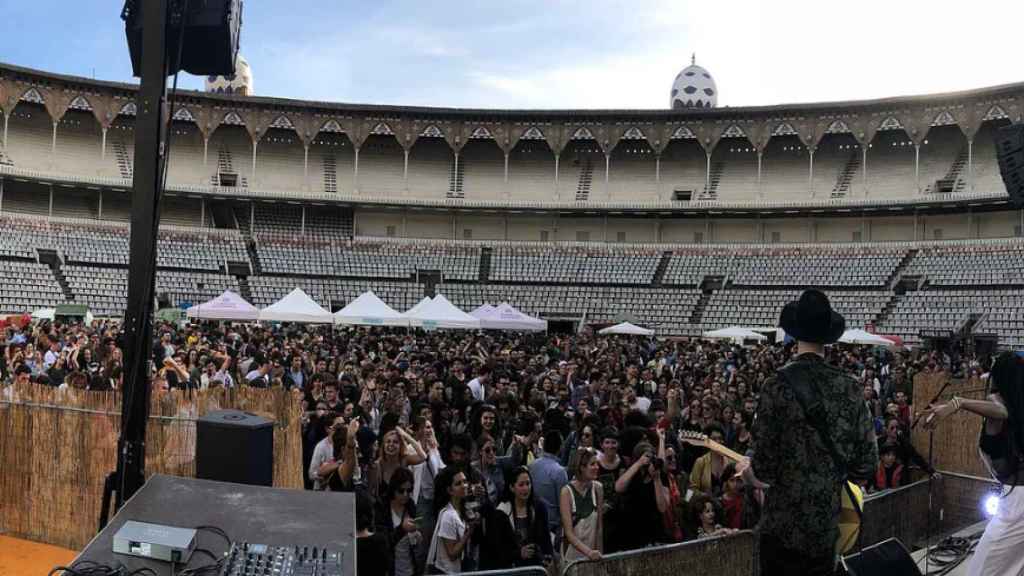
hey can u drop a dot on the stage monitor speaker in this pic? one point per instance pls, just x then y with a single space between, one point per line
210 38
888 558
235 446
1010 153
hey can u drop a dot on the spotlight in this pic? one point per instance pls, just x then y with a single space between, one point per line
992 506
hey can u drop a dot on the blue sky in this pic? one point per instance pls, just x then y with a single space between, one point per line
562 53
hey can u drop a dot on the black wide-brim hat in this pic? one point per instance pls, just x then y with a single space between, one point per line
812 319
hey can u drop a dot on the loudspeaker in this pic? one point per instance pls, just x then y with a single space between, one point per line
888 558
210 38
1010 153
235 446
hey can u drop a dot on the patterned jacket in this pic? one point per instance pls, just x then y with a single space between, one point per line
802 506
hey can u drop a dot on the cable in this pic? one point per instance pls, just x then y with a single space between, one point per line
950 553
91 568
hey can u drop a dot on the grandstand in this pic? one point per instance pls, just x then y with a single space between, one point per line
681 220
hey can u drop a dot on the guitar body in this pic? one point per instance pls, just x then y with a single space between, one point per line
849 520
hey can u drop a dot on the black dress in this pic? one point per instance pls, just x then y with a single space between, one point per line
373 555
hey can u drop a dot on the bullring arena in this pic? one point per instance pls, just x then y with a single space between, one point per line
682 220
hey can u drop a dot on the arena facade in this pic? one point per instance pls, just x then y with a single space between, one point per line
686 219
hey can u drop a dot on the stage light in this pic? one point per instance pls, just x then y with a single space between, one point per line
992 506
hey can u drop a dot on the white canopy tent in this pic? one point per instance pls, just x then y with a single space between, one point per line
858 336
507 317
482 310
627 328
227 306
369 310
297 306
734 333
440 313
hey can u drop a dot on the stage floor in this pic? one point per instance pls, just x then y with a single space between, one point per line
25 558
961 569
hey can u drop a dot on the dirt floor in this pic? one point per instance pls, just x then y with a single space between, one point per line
25 558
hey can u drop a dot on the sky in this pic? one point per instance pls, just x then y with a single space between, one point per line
564 53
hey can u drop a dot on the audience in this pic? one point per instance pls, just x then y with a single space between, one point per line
475 450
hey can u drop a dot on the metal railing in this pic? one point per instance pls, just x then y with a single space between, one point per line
731 555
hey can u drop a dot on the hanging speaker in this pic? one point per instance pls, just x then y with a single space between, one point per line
1010 153
888 558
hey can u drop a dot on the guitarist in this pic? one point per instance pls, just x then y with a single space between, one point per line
812 432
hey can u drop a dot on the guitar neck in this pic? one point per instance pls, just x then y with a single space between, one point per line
723 450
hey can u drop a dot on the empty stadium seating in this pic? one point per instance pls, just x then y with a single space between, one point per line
578 265
681 290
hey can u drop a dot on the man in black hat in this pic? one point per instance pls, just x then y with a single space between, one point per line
812 432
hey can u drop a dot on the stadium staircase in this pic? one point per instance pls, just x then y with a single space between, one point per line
485 264
659 273
250 248
887 309
952 181
243 288
456 176
52 259
894 278
124 161
330 164
714 178
585 181
697 315
846 174
968 324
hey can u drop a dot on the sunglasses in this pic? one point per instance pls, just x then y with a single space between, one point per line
403 491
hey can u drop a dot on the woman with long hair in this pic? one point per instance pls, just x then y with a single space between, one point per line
397 450
581 507
453 532
517 532
396 518
1002 450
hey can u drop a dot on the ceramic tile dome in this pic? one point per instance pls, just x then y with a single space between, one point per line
239 83
694 88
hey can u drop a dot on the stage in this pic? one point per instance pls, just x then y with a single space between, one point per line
960 569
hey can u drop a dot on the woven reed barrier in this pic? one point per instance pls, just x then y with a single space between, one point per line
57 447
962 499
732 555
955 446
900 513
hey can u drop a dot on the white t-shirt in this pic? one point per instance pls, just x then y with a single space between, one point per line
476 388
642 404
451 527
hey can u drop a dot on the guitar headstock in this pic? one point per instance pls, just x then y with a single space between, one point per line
694 438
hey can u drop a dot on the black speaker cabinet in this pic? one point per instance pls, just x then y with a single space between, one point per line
1010 153
888 558
235 446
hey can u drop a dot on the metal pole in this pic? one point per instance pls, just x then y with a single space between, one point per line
1 194
7 115
556 176
405 169
917 167
970 165
810 176
355 173
49 209
103 146
99 210
864 170
146 188
53 142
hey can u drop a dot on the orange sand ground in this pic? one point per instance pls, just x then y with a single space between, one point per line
25 558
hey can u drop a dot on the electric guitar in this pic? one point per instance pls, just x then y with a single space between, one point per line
849 518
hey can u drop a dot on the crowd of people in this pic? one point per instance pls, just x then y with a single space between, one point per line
473 450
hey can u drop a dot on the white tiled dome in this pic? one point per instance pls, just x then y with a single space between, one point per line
694 88
239 83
